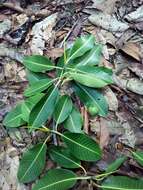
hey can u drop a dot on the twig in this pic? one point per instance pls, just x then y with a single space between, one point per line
68 34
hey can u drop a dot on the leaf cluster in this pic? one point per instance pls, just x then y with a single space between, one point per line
48 101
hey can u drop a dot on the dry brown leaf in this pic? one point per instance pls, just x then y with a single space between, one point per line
108 22
133 50
135 16
104 133
55 53
137 69
111 99
107 6
42 33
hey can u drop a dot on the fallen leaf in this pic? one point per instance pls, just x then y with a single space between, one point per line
135 16
42 33
107 22
135 85
137 68
128 138
5 26
107 6
111 99
133 50
104 133
54 52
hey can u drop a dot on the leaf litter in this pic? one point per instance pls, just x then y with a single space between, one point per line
118 26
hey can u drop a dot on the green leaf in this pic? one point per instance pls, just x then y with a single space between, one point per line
14 118
63 157
74 121
34 77
82 147
38 63
38 87
32 163
43 110
116 164
56 179
138 156
63 109
122 183
81 46
91 97
28 104
92 57
90 76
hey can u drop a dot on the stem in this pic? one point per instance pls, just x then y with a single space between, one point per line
102 176
84 177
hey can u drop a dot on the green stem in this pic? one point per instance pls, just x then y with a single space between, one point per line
102 176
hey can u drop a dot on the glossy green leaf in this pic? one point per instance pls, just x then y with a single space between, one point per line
34 77
63 109
90 76
138 156
43 110
92 98
38 87
38 63
122 183
63 157
32 163
56 179
92 57
82 146
28 104
116 164
14 118
74 121
80 47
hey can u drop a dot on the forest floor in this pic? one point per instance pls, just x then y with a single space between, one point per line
40 27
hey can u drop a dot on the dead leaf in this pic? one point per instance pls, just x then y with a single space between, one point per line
42 33
55 53
137 69
5 26
133 50
111 99
128 137
107 6
135 86
135 16
104 133
107 22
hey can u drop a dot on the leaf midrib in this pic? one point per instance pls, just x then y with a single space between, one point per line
91 56
41 65
76 52
62 110
33 161
14 118
81 145
62 181
32 91
60 154
44 106
74 127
